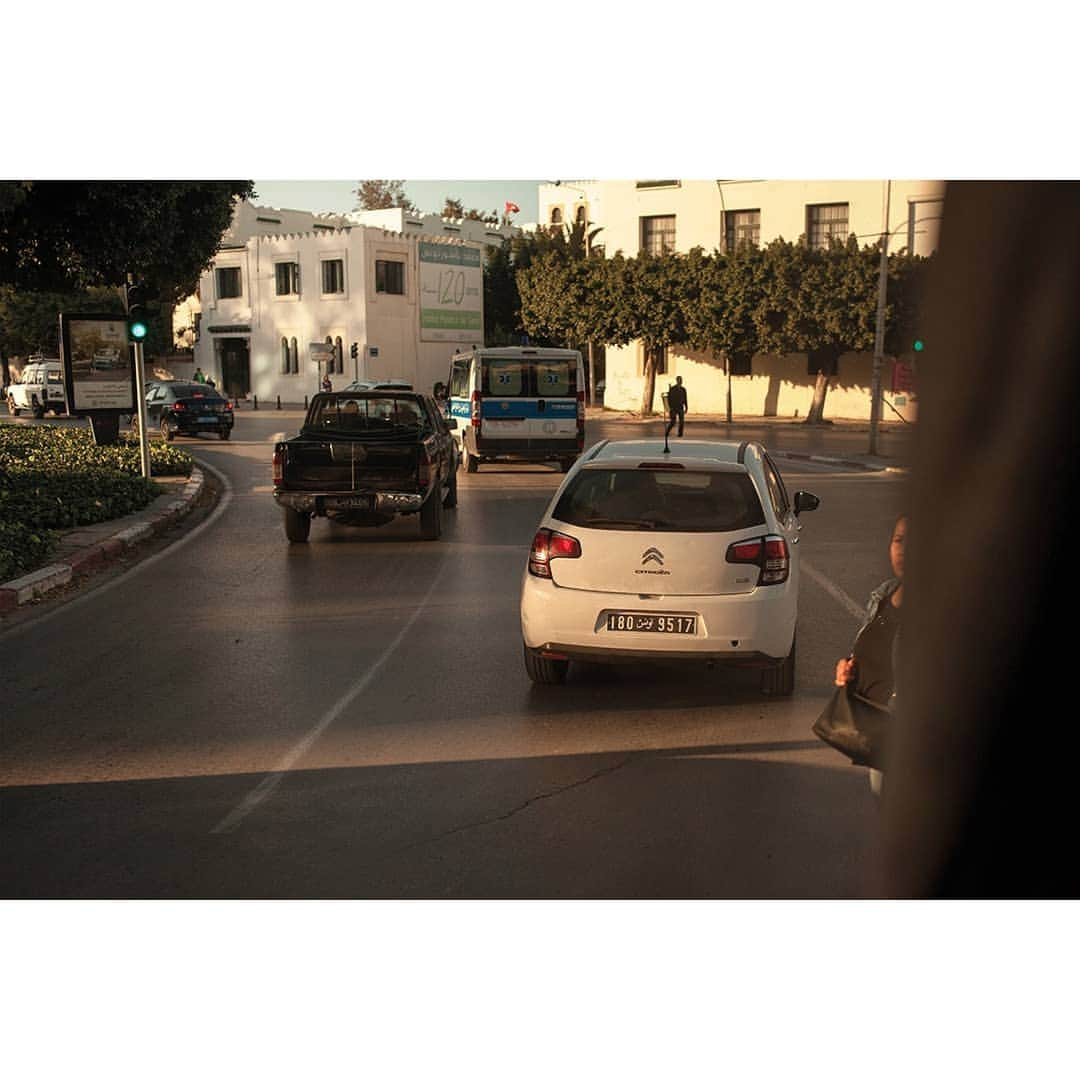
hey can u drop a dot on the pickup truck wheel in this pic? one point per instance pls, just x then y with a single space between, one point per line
431 517
167 432
450 501
297 525
544 671
11 406
224 433
37 409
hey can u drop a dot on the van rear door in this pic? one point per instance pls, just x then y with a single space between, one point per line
528 400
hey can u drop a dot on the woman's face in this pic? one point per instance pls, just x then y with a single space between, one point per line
896 548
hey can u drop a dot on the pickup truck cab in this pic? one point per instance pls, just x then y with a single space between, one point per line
364 458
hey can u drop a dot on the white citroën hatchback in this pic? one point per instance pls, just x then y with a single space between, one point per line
647 555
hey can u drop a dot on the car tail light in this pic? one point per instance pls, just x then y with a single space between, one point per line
228 405
770 553
179 406
475 410
548 545
279 467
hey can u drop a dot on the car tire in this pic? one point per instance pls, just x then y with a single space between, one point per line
544 671
469 459
431 517
450 500
224 434
167 432
135 426
12 408
779 681
297 525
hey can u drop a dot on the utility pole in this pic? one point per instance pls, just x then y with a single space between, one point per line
879 325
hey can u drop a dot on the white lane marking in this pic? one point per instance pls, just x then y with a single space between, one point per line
835 591
270 782
166 553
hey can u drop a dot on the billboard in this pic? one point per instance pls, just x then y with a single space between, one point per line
451 294
98 366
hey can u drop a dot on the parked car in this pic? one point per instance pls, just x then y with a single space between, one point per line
39 388
186 408
645 555
364 458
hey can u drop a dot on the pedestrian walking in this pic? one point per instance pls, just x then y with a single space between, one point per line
327 385
199 376
676 406
869 669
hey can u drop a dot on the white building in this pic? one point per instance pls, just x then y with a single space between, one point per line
677 215
405 301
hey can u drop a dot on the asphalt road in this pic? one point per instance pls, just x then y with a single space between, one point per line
236 717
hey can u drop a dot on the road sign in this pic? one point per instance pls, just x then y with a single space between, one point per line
320 352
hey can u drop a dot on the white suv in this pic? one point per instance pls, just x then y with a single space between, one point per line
40 387
642 554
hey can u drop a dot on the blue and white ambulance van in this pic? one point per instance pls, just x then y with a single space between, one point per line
518 403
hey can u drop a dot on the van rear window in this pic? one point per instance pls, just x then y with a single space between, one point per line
505 378
539 378
556 378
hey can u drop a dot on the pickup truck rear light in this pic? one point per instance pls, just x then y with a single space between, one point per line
548 545
769 553
423 470
279 467
475 408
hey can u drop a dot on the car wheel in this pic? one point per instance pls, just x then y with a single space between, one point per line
544 671
167 432
470 460
431 517
779 681
11 406
297 525
450 501
224 433
135 426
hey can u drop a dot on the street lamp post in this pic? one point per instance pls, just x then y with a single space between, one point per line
879 324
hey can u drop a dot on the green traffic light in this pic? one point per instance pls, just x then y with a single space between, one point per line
137 330
919 345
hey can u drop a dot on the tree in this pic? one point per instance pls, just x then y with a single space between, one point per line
70 236
382 195
656 284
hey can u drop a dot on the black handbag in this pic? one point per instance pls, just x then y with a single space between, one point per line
855 726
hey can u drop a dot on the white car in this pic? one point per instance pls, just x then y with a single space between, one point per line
647 555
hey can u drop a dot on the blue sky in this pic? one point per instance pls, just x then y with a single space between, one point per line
429 195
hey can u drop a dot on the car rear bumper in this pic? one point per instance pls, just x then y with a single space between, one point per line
752 628
319 502
524 449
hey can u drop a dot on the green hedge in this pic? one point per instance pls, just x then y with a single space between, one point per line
55 478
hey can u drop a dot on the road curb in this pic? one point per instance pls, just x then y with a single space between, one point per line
848 463
128 533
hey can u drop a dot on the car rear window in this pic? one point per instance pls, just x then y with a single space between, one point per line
366 412
659 500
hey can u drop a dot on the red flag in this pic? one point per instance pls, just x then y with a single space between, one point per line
513 208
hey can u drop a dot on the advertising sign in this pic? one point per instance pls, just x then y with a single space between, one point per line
98 366
451 294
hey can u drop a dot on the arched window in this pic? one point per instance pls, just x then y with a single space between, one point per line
579 215
285 356
556 216
339 354
294 357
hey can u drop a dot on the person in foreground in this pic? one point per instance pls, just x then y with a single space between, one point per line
869 666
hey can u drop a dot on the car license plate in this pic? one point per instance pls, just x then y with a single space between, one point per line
208 420
647 622
353 502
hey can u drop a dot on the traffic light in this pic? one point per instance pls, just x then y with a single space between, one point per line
354 350
918 345
135 302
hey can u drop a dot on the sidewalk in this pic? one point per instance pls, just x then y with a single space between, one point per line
90 547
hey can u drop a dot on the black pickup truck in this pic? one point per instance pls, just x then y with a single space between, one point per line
365 457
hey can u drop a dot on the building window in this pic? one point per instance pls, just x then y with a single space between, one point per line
287 278
579 216
285 366
228 283
658 234
556 216
741 227
294 358
644 185
333 276
659 354
389 277
740 364
824 222
339 355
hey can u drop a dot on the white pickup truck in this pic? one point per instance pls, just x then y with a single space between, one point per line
39 389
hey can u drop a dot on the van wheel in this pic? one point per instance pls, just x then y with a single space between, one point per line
11 406
450 501
297 525
431 517
779 681
544 671
37 409
224 434
470 460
